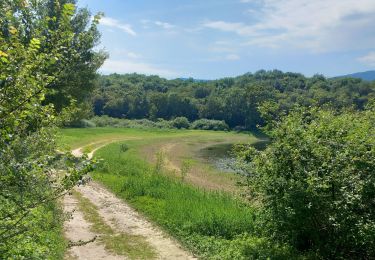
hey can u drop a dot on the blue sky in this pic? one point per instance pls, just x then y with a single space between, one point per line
210 39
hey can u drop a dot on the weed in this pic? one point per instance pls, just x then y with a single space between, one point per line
185 168
160 161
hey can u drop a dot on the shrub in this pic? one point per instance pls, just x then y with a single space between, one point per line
83 123
207 124
316 182
180 122
102 121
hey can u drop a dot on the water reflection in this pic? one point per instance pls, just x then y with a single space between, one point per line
222 158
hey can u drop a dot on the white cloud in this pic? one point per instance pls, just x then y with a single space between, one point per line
223 47
113 23
121 66
232 57
238 28
124 53
319 25
368 59
164 25
133 55
147 23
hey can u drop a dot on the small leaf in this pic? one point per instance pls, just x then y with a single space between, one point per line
13 30
5 60
3 54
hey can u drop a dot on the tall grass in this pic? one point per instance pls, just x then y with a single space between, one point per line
212 224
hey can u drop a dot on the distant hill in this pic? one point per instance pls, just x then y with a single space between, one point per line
367 75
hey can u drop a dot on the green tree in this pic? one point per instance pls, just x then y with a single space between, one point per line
77 78
315 182
32 174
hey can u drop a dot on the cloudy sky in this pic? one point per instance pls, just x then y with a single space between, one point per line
218 38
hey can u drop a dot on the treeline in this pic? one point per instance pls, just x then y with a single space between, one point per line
234 100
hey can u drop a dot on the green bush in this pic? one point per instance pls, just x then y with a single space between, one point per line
207 124
316 182
83 123
102 121
180 122
44 239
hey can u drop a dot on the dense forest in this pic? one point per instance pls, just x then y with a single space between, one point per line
234 100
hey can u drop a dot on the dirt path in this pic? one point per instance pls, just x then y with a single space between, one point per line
120 217
78 229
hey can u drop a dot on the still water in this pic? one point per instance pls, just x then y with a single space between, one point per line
222 157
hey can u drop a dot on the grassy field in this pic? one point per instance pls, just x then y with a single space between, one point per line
176 147
211 222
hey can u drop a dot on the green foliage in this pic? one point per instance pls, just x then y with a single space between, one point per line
160 162
206 124
177 123
242 247
316 183
32 174
234 100
45 241
77 69
180 122
104 121
185 168
83 123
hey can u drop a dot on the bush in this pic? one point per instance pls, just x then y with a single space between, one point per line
102 121
83 123
207 124
316 182
180 122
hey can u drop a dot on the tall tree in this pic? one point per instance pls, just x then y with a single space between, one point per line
32 173
77 79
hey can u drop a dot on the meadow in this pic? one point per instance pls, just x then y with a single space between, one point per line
209 220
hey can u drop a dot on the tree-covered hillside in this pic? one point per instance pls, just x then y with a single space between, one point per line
234 100
366 75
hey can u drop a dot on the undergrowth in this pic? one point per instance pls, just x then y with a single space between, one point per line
44 238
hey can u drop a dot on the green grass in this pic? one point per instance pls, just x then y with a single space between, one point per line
132 246
74 137
149 142
189 213
214 225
